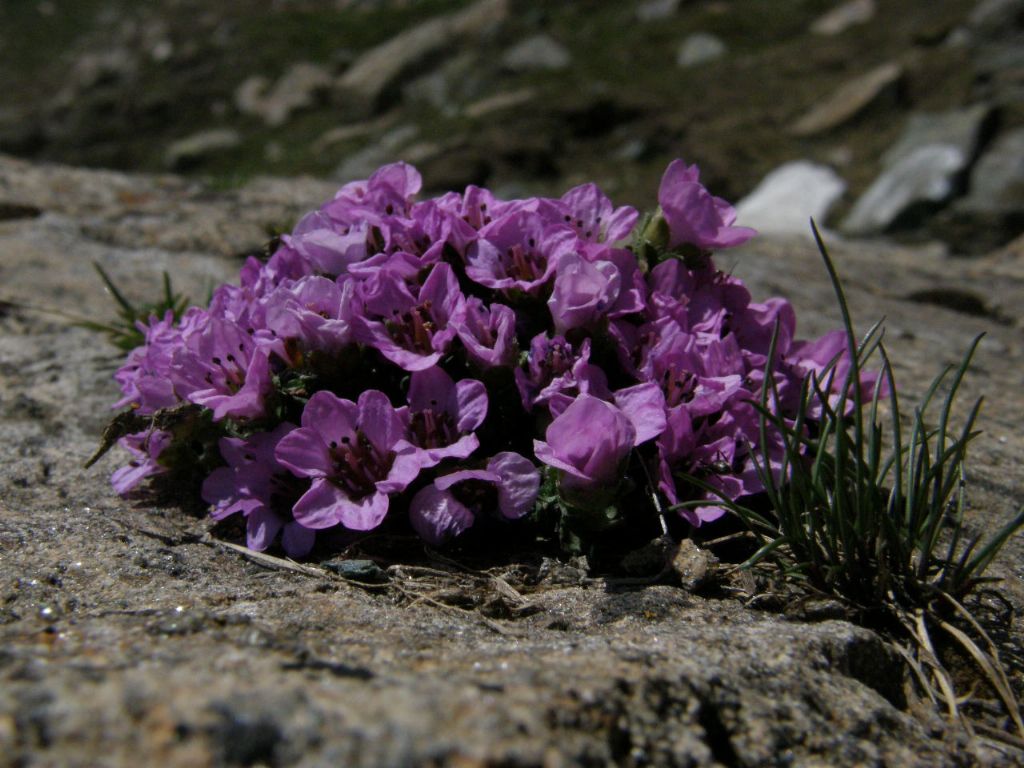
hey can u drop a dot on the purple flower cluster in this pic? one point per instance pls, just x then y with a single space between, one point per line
438 358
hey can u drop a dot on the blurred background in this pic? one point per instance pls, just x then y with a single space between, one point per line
899 118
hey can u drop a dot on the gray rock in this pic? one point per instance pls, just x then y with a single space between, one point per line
536 52
699 48
961 128
500 102
997 179
458 80
788 197
197 147
920 170
298 88
132 636
995 16
656 10
387 149
992 212
369 80
843 16
999 69
92 70
343 133
166 213
925 175
849 100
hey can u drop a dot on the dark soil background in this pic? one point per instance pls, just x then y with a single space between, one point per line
532 96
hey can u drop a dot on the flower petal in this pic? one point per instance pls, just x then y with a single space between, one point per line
320 507
304 453
644 406
297 540
471 401
379 421
330 417
261 526
437 516
518 483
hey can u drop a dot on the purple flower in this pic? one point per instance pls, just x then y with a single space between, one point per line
329 247
701 375
255 484
552 366
443 415
518 252
755 326
591 214
584 292
633 291
448 506
355 453
719 454
412 332
145 449
314 310
589 442
813 358
699 300
388 192
693 215
478 207
644 406
220 367
145 377
437 516
487 333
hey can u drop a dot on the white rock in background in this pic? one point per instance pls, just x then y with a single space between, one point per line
921 167
960 127
656 10
923 175
699 48
995 14
537 52
192 149
500 102
296 89
844 16
788 197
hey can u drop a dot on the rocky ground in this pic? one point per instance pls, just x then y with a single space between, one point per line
911 111
131 634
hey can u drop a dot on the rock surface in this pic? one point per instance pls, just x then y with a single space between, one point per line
997 180
193 149
656 10
843 16
537 52
699 48
298 88
130 635
849 100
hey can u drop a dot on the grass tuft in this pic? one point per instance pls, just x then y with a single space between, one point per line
125 333
881 531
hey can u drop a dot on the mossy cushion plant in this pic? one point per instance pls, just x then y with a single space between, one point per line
470 365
